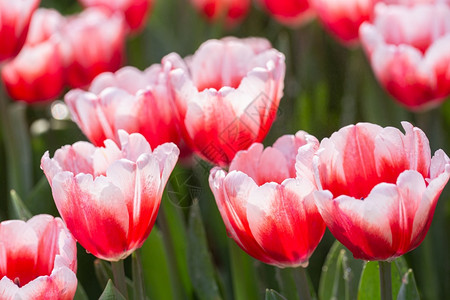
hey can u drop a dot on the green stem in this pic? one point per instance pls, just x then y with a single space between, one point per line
119 277
385 280
301 281
138 278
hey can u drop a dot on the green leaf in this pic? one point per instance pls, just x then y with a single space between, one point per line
103 272
200 264
80 294
331 284
20 211
243 274
155 265
369 286
111 293
286 281
273 295
408 289
352 269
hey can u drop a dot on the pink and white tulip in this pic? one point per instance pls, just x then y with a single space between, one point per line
38 259
93 42
227 95
267 211
342 18
37 73
129 99
109 197
289 12
379 188
15 19
135 11
409 50
231 12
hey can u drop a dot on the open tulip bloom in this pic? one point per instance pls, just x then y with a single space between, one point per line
38 259
109 197
227 95
129 99
269 212
409 50
379 188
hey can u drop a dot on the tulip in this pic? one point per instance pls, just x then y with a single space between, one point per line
109 197
227 95
409 50
93 43
231 12
38 259
289 12
15 18
379 188
37 73
342 18
129 99
136 11
267 210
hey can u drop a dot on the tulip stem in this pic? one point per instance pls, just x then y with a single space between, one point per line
138 277
119 277
385 280
301 281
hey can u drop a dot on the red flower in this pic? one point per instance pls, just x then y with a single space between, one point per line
109 197
380 188
342 18
37 73
269 213
129 99
38 259
15 18
135 11
93 42
409 49
231 12
289 12
227 95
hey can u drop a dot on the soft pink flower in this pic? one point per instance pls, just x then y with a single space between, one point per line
409 49
269 212
227 95
128 99
231 12
380 188
135 11
342 18
37 73
15 18
289 12
93 42
38 259
109 197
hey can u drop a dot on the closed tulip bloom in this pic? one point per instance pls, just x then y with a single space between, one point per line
289 12
37 73
342 18
267 211
38 259
136 11
409 50
93 43
231 12
129 99
227 95
109 197
15 18
379 188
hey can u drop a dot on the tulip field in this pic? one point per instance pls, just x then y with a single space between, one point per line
224 149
